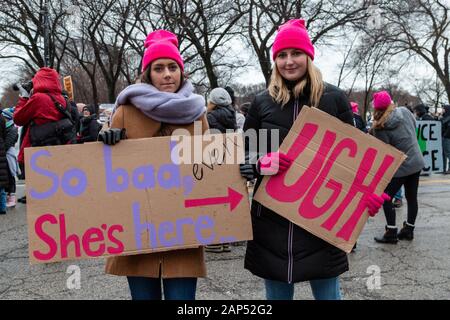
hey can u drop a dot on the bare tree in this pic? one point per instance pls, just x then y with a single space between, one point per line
421 27
208 27
21 31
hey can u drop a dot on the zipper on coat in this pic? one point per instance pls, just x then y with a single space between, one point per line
291 225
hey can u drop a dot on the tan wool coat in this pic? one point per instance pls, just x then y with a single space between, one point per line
167 264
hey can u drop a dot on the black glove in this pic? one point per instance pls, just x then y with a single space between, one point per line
23 93
248 171
112 136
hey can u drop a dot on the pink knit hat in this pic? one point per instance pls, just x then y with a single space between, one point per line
381 100
161 44
355 108
293 34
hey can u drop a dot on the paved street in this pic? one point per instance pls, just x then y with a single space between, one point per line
409 270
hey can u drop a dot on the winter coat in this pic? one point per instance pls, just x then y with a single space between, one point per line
400 132
12 134
89 128
359 122
39 107
222 118
281 250
168 264
422 113
446 123
3 161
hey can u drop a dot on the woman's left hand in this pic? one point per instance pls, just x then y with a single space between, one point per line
374 202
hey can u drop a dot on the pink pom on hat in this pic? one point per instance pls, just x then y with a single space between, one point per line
381 100
293 34
354 107
161 44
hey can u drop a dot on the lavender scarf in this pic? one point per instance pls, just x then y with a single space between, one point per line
182 107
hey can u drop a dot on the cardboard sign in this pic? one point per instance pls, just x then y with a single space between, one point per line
95 200
68 87
336 167
430 142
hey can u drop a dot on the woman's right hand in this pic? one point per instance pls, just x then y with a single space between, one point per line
273 163
112 136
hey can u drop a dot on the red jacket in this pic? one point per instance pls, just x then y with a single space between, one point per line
39 107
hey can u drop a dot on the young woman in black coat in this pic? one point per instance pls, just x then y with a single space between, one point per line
281 252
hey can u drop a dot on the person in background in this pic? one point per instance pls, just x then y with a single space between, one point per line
244 108
37 106
11 138
240 118
3 166
396 126
163 101
358 120
281 252
445 120
421 112
89 126
221 116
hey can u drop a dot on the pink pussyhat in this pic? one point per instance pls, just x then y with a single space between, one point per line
161 44
293 35
381 100
355 108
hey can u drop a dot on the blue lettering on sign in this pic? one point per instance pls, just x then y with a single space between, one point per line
70 175
168 176
170 234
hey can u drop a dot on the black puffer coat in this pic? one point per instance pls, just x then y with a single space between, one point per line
3 162
281 250
222 118
89 128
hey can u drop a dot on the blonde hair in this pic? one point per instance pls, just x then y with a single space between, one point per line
380 116
280 93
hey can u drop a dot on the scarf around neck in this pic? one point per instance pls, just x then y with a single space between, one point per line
181 107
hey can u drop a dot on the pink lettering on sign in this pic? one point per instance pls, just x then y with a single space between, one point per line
93 242
315 177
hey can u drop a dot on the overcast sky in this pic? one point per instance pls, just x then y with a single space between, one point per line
327 59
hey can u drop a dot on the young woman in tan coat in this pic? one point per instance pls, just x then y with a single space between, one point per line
161 103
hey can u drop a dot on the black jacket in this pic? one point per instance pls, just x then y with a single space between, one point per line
222 118
89 128
281 250
12 134
359 123
446 122
3 162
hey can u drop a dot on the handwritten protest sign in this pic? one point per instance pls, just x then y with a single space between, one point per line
336 167
94 200
68 87
430 142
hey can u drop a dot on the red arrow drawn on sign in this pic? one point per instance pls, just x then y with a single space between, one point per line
233 198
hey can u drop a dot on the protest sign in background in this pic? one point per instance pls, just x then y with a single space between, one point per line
94 200
430 142
68 87
336 167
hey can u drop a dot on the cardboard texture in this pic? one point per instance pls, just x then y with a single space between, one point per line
429 137
94 200
68 87
335 167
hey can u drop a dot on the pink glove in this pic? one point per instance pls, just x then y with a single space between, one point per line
273 163
374 203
